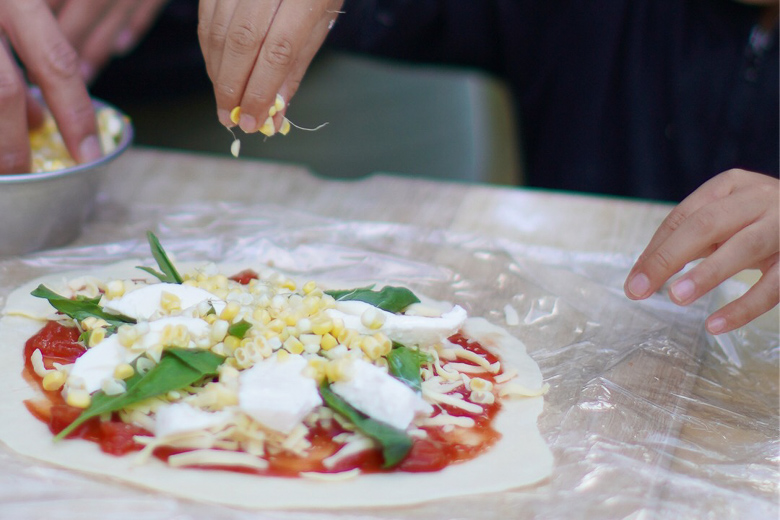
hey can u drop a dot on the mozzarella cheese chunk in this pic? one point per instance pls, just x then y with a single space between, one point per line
144 303
404 329
183 418
99 362
277 394
381 396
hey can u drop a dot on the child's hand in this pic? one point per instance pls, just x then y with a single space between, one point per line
733 222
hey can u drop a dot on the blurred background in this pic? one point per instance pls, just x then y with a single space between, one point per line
382 115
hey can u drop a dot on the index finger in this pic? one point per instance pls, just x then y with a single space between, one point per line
289 33
54 64
15 144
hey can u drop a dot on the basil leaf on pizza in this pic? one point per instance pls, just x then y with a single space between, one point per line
169 273
395 443
390 299
177 369
81 307
405 364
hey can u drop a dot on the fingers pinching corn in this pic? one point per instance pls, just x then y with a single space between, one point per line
267 128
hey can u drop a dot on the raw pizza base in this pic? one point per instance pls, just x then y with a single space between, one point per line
519 458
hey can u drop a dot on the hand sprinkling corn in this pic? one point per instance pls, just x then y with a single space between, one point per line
267 128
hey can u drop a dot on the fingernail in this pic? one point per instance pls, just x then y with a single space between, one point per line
247 123
124 42
639 285
224 117
89 149
716 326
682 290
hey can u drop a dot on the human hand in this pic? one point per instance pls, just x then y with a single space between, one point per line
256 50
101 29
731 221
29 29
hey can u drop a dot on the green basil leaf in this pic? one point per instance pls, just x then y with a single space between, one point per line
177 369
404 363
239 329
169 273
81 308
389 298
395 443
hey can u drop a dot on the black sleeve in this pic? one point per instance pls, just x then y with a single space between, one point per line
457 32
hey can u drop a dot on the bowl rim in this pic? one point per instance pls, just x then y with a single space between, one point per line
124 142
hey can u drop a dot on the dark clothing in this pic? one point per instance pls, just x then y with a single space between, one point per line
645 98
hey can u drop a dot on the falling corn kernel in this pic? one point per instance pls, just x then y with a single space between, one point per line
235 148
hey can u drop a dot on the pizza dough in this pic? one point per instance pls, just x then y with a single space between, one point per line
519 458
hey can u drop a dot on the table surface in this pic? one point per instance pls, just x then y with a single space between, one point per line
566 222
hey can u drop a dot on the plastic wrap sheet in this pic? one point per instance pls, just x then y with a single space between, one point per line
647 416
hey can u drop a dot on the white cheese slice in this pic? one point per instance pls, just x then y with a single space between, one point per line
404 329
144 303
99 362
180 418
381 396
277 394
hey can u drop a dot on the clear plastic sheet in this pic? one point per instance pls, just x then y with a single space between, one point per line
647 416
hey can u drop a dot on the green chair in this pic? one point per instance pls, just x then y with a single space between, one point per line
425 121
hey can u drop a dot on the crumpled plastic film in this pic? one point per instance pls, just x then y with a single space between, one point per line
647 416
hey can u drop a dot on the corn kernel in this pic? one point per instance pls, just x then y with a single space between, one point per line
371 347
291 319
123 371
53 380
348 337
285 128
232 343
277 325
219 330
230 311
293 345
337 370
96 336
235 115
338 327
115 289
321 325
287 283
279 102
261 315
372 318
316 368
328 342
78 398
170 302
282 355
267 128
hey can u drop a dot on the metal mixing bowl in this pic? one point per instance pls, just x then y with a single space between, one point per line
49 209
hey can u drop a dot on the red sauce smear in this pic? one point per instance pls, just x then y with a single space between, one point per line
439 449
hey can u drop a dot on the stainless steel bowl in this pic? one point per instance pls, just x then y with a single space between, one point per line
49 209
